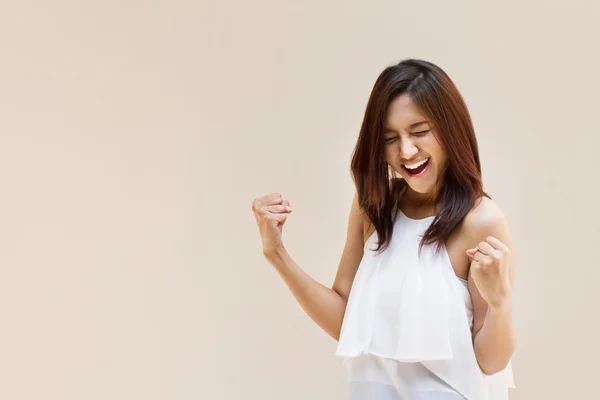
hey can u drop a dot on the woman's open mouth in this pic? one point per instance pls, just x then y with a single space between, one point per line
416 169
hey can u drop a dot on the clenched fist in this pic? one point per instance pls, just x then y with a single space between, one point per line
271 212
490 270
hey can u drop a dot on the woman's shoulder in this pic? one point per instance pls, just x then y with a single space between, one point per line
484 218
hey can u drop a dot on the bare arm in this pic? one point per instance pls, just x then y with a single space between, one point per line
325 306
493 333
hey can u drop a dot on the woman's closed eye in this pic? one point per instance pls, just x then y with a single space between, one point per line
421 133
393 138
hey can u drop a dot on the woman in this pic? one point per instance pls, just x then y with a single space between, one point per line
422 300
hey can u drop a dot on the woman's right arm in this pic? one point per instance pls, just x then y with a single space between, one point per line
325 306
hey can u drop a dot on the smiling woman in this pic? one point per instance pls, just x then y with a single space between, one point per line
422 300
415 113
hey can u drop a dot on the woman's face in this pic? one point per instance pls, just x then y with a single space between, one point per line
411 146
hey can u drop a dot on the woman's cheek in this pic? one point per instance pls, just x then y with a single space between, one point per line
389 156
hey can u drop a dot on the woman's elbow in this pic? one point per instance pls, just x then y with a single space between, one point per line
492 370
493 367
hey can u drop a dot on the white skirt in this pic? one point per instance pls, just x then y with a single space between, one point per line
373 377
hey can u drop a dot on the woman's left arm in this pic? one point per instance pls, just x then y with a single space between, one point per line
491 278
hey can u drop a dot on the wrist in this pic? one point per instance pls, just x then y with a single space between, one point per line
502 305
274 252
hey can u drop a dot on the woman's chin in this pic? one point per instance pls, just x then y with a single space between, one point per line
419 190
420 187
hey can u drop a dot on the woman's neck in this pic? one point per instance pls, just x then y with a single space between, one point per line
418 203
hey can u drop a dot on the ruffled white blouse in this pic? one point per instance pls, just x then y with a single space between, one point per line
406 308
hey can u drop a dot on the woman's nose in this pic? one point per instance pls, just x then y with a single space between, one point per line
407 149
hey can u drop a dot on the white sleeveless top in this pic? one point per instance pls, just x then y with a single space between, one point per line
415 310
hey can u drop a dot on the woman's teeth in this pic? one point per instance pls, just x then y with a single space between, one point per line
417 169
416 165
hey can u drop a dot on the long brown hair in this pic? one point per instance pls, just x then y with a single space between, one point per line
459 184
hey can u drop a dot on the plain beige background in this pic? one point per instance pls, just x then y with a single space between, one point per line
135 135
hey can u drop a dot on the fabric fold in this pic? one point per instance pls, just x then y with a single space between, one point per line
411 307
407 306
